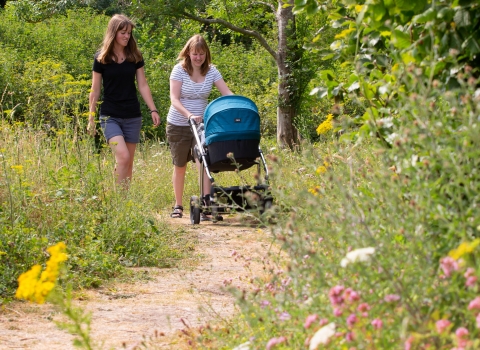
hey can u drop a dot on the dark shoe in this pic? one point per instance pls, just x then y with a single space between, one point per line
177 212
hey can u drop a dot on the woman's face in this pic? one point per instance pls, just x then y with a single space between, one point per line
197 58
123 36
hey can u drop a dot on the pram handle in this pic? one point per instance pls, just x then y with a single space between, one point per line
193 127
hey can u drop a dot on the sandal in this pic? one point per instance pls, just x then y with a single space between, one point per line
177 212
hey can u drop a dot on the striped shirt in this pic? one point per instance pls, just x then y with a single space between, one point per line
193 96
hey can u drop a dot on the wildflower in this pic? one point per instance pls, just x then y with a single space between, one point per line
464 248
35 284
364 308
275 341
471 281
337 312
284 316
474 304
322 336
408 343
350 337
309 320
264 304
391 298
323 322
335 295
478 321
442 325
326 125
462 336
344 33
470 272
362 254
351 320
321 170
315 190
17 168
377 323
448 265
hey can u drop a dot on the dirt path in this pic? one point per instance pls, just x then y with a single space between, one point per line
123 314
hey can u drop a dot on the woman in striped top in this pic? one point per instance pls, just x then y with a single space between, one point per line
191 82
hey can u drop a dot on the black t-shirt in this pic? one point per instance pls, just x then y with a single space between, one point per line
119 91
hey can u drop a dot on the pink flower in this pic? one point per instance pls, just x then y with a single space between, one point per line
377 323
448 265
442 325
462 336
391 298
275 341
323 322
474 304
309 320
335 295
364 308
284 316
478 320
354 296
337 312
350 336
471 281
351 320
470 272
408 343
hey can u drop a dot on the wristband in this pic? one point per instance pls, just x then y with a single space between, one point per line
153 110
189 116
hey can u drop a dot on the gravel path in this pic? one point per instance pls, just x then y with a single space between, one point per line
123 314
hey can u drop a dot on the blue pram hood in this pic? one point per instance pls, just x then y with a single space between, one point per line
231 117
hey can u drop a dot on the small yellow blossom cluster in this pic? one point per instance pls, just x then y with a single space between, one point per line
17 168
35 284
326 125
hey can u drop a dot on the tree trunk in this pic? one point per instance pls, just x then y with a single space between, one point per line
286 112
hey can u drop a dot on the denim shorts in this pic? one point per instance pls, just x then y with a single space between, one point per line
181 142
129 128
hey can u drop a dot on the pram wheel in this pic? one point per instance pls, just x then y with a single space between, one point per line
216 217
194 210
267 204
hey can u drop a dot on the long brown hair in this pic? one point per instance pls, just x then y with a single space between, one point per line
106 54
195 44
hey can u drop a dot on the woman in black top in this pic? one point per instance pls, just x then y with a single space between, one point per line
118 63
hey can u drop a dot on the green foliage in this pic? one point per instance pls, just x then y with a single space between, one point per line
55 186
415 204
379 41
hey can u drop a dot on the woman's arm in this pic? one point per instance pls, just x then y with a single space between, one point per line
93 99
147 95
222 87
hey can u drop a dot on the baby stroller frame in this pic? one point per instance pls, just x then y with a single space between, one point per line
234 152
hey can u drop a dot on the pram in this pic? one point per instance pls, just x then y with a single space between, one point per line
228 140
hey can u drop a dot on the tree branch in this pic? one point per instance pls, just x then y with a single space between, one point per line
274 10
233 27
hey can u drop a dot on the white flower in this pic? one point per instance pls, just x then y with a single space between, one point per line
322 336
362 254
244 346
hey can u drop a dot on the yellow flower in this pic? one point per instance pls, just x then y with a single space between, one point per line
321 169
314 190
17 168
35 284
464 248
344 33
326 125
